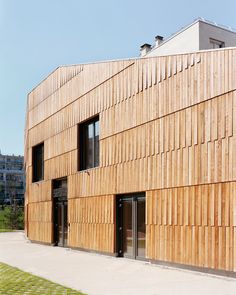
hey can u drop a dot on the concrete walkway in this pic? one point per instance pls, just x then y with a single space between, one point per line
97 274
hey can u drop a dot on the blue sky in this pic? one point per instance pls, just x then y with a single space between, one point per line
37 36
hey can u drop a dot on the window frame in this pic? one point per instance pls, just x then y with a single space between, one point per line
83 149
36 178
219 43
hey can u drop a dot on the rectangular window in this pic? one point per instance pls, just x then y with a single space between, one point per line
38 162
89 144
216 43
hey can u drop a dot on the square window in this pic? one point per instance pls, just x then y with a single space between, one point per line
38 162
89 144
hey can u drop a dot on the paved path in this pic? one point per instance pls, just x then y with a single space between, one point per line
96 274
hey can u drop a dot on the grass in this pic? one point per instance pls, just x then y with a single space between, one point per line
4 225
1 214
2 222
17 282
2 230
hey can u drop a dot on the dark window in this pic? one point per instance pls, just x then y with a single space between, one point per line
89 144
216 44
38 162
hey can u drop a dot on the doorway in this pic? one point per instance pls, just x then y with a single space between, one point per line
60 223
131 226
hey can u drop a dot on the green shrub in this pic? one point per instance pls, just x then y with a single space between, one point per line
13 217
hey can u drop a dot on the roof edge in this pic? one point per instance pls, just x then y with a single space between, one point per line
197 20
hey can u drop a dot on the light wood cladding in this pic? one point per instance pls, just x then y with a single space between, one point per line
193 225
92 223
60 166
167 128
98 181
52 83
69 90
40 221
61 143
40 191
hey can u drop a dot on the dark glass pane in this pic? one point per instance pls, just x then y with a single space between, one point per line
38 162
60 211
65 224
59 220
42 161
82 146
96 145
127 228
90 130
89 146
141 228
97 128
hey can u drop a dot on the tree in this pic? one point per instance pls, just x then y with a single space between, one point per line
14 217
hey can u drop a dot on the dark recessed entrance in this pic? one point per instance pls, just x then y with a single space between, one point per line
131 227
60 223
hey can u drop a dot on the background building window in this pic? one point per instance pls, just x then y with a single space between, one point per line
216 43
38 162
89 144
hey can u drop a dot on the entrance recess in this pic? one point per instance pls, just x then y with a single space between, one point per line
131 227
60 212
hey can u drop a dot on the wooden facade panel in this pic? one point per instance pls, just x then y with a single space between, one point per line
161 170
28 162
41 211
92 223
40 192
132 176
61 143
95 182
51 84
192 225
200 246
168 136
61 166
66 118
166 101
203 205
74 88
40 231
97 237
167 128
210 120
40 221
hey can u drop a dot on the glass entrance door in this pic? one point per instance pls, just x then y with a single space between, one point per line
141 228
131 227
60 212
128 233
60 223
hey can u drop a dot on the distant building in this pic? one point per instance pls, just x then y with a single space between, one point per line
12 179
199 35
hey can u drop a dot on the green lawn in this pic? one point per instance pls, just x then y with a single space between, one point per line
17 282
1 214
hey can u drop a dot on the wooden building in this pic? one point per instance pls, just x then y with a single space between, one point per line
137 158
